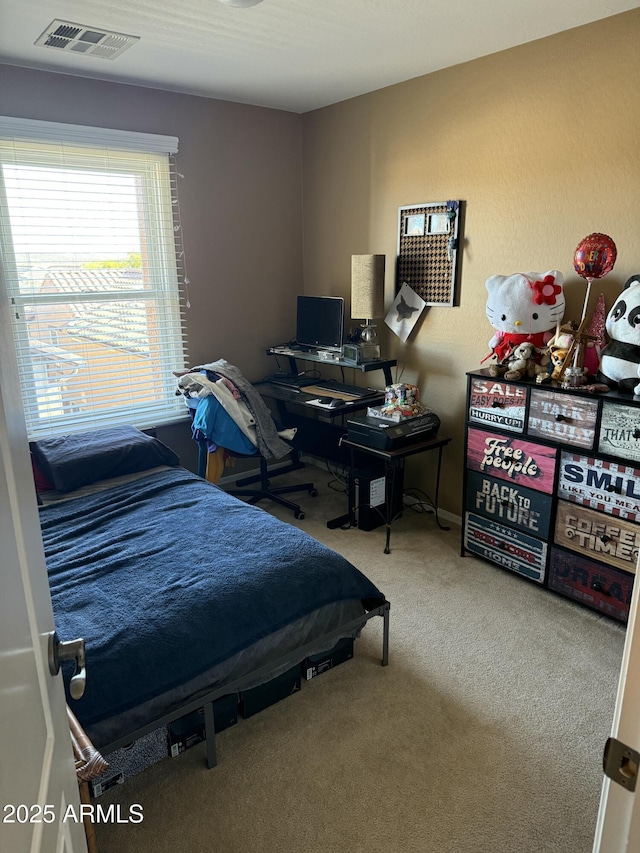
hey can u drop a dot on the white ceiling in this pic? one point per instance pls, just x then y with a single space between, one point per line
294 55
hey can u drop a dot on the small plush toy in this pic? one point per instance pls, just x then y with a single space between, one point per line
563 338
517 364
559 346
620 361
524 308
558 358
523 360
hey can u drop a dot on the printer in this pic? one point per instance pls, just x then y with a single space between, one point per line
389 435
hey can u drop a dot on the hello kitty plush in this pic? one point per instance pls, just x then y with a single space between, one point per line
620 361
524 307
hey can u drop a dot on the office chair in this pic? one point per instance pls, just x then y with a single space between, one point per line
224 432
266 491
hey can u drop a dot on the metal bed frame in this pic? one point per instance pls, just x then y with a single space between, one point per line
207 699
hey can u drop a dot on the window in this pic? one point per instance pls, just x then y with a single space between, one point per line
92 260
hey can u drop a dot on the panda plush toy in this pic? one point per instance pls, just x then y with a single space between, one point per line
620 360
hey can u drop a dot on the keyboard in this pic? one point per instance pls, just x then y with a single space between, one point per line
353 390
292 382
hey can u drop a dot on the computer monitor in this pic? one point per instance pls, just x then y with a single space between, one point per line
320 322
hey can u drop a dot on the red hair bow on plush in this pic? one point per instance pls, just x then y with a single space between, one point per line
545 290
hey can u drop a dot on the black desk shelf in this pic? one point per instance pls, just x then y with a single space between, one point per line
384 364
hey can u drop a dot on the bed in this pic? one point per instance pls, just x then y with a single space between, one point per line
182 593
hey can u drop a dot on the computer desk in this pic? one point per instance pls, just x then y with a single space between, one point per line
302 399
319 428
289 401
394 466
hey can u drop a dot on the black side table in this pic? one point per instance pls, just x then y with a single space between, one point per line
394 467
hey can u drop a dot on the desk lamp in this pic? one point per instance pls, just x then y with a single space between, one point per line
367 293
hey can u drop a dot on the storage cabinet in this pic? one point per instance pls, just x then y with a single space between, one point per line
552 487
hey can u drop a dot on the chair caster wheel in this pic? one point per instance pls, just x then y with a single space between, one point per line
300 516
313 493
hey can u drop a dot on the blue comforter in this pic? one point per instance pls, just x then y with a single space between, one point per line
167 576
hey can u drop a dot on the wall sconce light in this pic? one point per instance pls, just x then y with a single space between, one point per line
367 292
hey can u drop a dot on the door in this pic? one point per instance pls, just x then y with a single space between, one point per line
37 774
618 827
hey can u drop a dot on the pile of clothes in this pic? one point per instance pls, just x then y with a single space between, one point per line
230 416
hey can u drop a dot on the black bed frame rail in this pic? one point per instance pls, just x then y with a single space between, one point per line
207 699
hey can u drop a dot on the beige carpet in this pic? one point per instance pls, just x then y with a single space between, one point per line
483 735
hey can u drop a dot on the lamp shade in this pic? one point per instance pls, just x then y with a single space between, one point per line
367 286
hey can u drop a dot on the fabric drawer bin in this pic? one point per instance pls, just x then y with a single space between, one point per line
261 697
508 503
127 762
600 587
620 431
500 404
505 546
189 730
610 487
512 459
562 417
317 664
597 536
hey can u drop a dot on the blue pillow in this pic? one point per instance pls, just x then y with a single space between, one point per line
72 461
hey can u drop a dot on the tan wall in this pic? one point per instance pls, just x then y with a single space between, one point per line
240 201
541 141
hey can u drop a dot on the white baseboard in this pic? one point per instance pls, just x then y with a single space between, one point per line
450 516
318 462
239 475
411 500
250 472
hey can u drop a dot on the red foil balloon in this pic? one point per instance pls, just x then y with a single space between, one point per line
595 256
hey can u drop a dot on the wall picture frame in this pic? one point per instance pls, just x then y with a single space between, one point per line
405 312
414 224
438 223
428 259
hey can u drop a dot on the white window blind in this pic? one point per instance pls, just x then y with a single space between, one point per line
93 263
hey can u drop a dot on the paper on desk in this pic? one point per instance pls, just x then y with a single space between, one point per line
316 403
320 405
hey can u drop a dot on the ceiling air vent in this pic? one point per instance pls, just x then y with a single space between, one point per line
75 38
